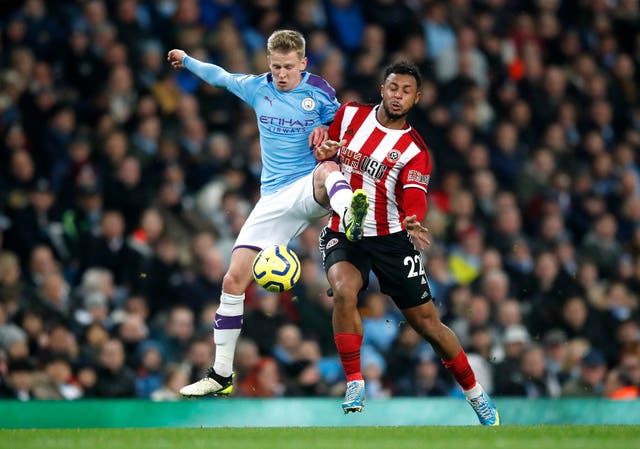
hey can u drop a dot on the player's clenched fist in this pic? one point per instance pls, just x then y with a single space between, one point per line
175 57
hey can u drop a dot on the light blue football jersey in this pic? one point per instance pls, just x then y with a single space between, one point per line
285 119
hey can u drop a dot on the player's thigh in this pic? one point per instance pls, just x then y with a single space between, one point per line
307 204
336 248
281 216
400 271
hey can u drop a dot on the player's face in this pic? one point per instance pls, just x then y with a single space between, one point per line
399 94
286 69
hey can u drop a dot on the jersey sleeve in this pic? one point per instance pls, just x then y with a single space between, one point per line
417 172
415 181
415 203
241 85
325 95
329 105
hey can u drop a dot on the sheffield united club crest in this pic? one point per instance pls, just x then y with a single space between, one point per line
393 156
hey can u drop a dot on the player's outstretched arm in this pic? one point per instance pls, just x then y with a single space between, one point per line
210 73
175 57
419 234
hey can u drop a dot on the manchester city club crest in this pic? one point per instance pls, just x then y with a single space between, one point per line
308 104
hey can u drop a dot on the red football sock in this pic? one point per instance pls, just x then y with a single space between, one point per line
349 349
461 370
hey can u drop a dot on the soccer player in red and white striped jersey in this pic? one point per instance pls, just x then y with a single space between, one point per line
391 165
381 154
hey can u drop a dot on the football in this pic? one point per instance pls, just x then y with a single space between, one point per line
276 268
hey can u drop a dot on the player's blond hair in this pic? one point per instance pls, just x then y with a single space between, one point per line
284 41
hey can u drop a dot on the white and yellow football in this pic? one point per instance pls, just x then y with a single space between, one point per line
276 268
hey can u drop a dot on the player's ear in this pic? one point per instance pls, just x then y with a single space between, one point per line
417 97
303 63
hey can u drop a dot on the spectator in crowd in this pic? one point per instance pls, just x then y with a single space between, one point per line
533 380
425 381
175 377
58 381
149 369
263 381
262 323
555 347
114 379
629 366
198 358
112 250
618 386
175 336
19 380
87 377
593 370
379 325
12 284
514 340
247 356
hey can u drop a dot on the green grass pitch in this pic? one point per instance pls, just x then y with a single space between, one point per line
508 437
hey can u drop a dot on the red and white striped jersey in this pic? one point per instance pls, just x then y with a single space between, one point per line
382 161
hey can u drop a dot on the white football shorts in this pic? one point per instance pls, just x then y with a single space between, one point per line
281 216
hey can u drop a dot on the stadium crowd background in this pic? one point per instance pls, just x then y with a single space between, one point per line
123 184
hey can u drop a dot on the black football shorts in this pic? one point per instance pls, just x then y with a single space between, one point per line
393 258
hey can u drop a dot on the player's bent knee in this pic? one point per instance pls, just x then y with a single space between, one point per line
330 166
234 284
324 169
345 290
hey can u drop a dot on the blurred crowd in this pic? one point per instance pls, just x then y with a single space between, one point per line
123 185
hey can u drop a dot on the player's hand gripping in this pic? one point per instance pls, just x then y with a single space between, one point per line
317 136
175 57
328 149
417 232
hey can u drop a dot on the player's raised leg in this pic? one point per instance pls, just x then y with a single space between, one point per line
425 320
227 326
330 187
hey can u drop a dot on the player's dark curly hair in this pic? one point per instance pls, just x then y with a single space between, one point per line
404 68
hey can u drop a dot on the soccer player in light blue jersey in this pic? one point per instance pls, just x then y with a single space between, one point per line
290 105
